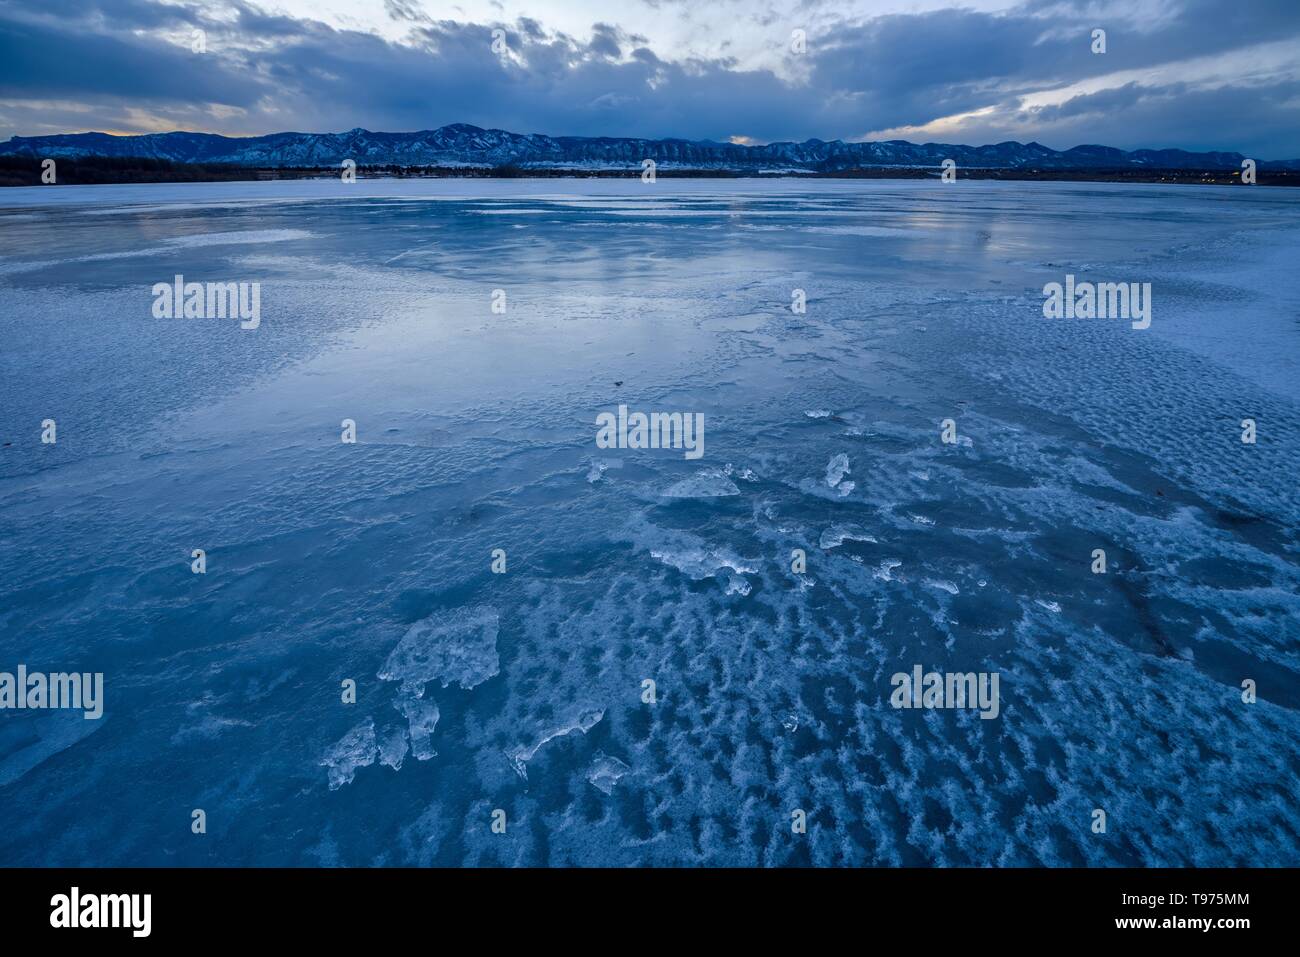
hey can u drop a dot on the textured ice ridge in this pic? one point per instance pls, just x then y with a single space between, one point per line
583 720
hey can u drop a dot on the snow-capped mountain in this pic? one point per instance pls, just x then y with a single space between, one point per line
463 145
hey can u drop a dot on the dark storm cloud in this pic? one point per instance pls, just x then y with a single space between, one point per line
44 62
268 72
1265 117
912 69
406 10
605 40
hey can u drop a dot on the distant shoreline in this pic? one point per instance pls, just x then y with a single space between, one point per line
96 170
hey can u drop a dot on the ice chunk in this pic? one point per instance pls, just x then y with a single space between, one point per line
392 747
693 558
605 772
836 469
837 535
356 749
422 715
459 645
690 554
886 570
711 483
736 585
943 585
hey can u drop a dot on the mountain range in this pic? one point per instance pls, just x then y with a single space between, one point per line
462 145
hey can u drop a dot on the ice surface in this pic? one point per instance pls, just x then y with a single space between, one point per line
330 561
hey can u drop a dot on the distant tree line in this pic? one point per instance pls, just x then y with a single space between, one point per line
26 171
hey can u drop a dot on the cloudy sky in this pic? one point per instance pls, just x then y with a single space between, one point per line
1197 74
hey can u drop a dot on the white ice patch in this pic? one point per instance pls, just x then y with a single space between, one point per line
392 747
605 772
711 483
886 570
696 558
356 749
422 717
837 535
456 646
947 586
736 585
250 236
836 469
691 554
239 237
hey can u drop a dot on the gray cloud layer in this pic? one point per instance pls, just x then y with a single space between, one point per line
71 65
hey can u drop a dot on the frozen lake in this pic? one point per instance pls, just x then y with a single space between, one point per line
329 561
